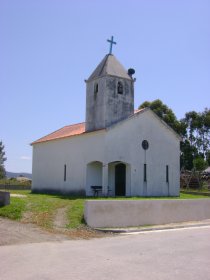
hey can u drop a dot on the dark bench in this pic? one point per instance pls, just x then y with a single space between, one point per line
97 189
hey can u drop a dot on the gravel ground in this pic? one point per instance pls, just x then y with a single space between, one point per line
12 232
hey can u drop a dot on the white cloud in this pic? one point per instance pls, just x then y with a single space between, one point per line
25 158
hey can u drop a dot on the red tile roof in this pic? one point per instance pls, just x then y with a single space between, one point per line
66 131
138 110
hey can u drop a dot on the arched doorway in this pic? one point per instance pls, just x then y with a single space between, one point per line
93 176
120 179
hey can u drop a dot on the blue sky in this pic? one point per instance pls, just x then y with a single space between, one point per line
49 47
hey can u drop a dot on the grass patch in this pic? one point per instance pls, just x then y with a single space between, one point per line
192 196
75 214
15 210
41 209
182 196
200 191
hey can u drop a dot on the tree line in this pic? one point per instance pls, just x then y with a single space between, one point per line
194 130
2 160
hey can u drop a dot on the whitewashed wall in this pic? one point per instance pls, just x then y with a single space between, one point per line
121 142
126 146
76 152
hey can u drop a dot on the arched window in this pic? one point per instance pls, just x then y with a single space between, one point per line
119 88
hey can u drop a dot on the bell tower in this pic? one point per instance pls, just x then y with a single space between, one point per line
109 93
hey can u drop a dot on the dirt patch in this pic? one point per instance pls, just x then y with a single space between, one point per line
85 233
60 219
12 232
17 195
27 217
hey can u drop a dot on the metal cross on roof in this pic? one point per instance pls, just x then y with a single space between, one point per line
111 43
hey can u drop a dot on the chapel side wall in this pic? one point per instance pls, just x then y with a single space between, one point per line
164 150
124 143
76 152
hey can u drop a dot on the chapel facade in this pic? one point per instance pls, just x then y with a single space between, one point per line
126 153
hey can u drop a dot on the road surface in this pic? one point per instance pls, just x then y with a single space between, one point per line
168 254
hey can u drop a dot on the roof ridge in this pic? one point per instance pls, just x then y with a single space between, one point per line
105 61
71 125
109 66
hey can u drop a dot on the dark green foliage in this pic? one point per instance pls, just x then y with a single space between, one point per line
198 130
199 163
2 160
188 153
208 157
166 114
197 138
194 129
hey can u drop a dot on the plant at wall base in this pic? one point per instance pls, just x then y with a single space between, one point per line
2 160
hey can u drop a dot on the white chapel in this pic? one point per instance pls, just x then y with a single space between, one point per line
118 151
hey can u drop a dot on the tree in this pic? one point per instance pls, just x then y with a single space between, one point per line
198 131
199 164
2 160
208 157
166 114
194 129
188 153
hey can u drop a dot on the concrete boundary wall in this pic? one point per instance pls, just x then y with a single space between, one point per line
4 198
125 213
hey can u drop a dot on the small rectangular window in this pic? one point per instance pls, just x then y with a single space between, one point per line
95 88
145 172
119 88
167 174
64 172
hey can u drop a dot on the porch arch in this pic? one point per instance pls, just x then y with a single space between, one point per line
119 178
93 176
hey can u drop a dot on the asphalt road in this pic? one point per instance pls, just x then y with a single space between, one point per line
168 254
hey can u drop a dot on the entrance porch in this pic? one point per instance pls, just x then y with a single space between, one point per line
113 178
